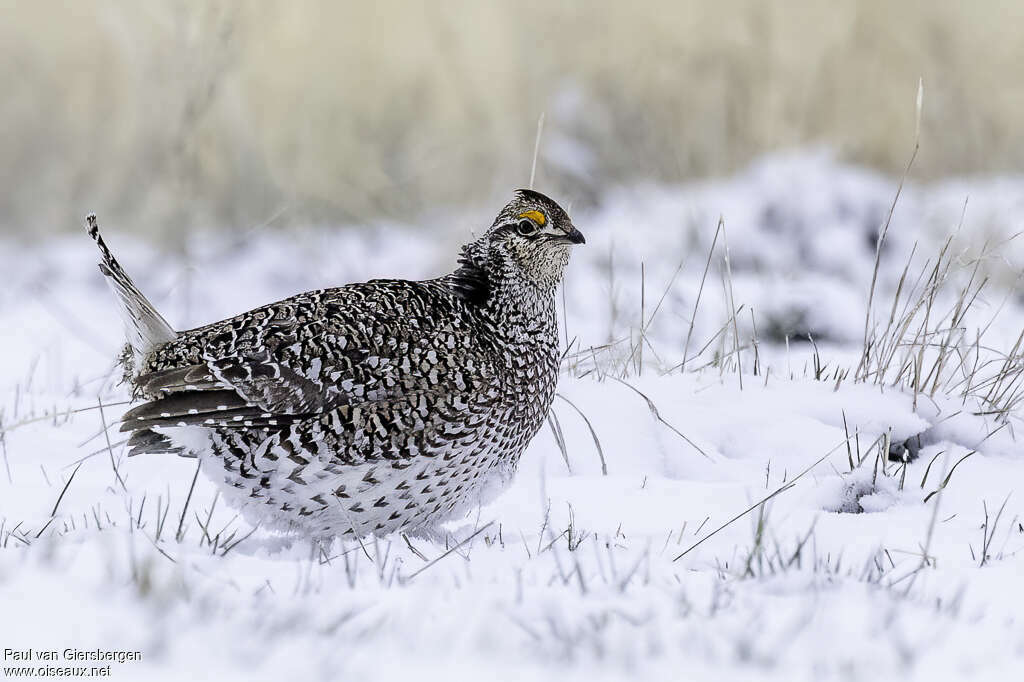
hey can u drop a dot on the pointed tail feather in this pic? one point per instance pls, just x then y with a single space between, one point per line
144 326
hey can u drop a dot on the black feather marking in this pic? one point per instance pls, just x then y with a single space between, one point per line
189 404
470 280
219 409
534 195
190 378
262 380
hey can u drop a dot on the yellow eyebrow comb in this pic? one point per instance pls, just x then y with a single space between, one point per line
535 216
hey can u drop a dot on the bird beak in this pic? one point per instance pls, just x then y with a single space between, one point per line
574 236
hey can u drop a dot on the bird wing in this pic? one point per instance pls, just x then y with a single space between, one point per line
226 391
304 356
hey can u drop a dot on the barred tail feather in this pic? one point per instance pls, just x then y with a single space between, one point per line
144 326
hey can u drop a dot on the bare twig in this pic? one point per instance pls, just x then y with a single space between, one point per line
700 291
778 491
536 149
593 434
451 549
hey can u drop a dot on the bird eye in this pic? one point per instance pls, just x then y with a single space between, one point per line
525 227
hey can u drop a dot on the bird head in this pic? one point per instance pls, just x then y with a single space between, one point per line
531 238
528 243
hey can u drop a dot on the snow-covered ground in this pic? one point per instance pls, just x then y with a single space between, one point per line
618 550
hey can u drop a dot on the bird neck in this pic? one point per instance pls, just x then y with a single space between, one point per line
500 292
522 305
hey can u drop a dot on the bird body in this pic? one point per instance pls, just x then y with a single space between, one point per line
382 406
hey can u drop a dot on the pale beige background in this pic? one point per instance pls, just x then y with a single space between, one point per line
182 114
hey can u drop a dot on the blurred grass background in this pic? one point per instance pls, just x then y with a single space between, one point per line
169 115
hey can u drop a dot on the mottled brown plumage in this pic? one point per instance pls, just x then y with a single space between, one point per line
369 408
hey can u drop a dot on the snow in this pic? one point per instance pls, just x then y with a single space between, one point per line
845 574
